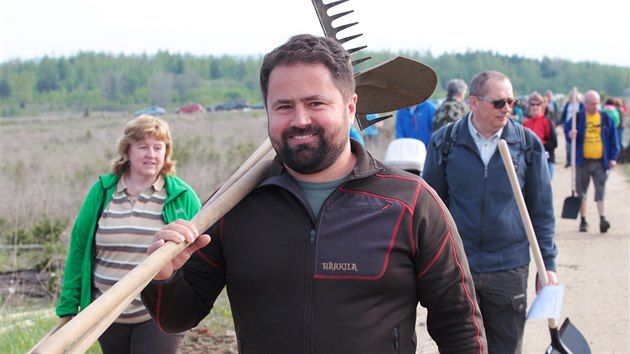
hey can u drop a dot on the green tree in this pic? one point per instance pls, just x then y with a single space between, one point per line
47 75
5 89
96 81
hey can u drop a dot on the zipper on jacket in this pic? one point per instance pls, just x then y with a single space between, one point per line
309 304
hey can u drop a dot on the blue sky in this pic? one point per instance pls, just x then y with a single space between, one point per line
564 29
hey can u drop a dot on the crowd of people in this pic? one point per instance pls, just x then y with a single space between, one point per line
548 117
333 251
464 167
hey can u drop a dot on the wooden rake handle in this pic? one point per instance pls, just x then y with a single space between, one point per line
527 222
90 323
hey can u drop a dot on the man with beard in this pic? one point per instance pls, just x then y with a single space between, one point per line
333 250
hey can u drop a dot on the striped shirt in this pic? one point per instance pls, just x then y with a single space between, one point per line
124 232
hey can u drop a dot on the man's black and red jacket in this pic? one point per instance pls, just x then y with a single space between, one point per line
346 281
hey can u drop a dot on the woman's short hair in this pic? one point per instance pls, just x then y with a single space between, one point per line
142 127
537 97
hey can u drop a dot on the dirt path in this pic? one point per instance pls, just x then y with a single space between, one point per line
593 267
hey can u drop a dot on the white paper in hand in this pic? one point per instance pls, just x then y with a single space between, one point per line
548 303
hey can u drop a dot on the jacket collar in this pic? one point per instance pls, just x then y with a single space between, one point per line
109 180
509 134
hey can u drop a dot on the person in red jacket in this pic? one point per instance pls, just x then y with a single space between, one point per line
542 127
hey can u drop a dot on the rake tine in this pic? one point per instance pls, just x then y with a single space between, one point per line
356 49
334 3
326 20
359 61
343 27
341 14
330 31
349 38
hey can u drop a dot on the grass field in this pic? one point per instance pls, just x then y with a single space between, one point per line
47 166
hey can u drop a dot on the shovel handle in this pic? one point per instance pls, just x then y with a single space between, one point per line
527 222
88 338
96 317
574 103
261 152
60 324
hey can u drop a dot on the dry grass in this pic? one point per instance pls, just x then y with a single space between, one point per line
48 164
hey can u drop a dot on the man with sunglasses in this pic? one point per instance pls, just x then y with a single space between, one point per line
464 166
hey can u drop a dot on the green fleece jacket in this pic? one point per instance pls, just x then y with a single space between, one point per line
76 294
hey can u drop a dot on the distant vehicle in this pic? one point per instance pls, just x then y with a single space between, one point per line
151 110
191 108
239 104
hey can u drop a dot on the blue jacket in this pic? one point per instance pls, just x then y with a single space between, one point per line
416 123
610 139
481 201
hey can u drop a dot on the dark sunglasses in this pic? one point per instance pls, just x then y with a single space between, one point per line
535 103
498 104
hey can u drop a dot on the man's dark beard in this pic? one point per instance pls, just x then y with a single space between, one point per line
309 158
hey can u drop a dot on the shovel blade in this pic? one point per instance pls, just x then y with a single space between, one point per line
571 207
570 341
398 83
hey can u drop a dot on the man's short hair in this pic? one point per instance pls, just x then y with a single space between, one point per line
477 84
309 49
455 87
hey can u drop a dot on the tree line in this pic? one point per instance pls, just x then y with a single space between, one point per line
92 81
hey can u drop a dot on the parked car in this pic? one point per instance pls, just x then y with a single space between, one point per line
191 108
233 105
151 110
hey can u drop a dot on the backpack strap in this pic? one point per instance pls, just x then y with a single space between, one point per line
449 137
526 143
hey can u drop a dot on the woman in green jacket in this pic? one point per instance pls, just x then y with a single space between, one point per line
115 225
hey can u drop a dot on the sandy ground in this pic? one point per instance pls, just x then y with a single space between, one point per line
592 266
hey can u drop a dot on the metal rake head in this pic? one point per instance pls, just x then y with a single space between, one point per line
330 31
397 83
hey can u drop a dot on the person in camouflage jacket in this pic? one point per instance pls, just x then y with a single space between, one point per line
453 108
